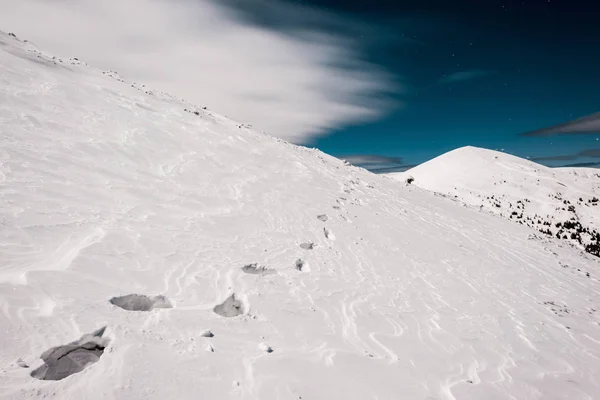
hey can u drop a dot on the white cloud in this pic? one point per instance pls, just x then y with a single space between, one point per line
292 86
589 124
372 160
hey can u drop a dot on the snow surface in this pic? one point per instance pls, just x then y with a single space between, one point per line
559 202
109 189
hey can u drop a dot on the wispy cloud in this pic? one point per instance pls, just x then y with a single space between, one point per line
583 165
465 76
377 163
594 153
371 159
389 170
585 125
589 153
296 79
566 157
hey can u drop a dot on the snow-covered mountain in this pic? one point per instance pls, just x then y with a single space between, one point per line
559 202
150 249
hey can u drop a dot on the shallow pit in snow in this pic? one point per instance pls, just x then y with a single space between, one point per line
140 302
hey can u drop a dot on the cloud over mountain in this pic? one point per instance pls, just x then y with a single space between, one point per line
295 83
588 124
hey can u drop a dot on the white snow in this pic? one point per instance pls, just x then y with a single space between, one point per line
520 190
109 189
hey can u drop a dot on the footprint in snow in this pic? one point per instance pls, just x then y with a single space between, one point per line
302 266
307 246
63 361
322 217
231 307
140 302
255 269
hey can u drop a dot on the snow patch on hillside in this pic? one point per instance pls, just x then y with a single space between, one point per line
559 202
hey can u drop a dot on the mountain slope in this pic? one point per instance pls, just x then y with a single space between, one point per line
362 288
560 202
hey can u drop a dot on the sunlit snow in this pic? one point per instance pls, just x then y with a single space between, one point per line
110 189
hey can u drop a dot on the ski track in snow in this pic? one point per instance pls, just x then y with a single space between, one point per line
108 191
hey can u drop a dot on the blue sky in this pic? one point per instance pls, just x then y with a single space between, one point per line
478 73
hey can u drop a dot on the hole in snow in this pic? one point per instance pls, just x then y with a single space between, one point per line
302 266
265 347
231 307
255 269
322 217
207 333
140 302
62 361
307 246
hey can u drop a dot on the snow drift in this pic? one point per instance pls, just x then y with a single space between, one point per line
110 189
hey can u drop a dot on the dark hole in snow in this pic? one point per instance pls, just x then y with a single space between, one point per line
62 361
231 307
255 269
140 302
300 265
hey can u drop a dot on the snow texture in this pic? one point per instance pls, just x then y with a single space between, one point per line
108 187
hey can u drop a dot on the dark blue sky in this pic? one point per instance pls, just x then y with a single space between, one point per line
472 72
476 73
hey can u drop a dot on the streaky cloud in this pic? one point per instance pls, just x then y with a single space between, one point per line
589 153
296 84
581 165
566 157
377 163
371 159
594 153
465 76
585 125
389 170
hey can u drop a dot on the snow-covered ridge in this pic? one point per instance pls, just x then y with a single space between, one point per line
151 249
559 202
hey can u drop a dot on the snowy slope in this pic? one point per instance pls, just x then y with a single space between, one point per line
108 190
559 202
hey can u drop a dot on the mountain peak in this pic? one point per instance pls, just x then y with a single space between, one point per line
520 190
